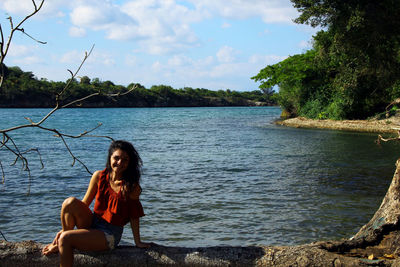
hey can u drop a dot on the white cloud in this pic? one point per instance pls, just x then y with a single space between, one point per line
264 60
23 54
157 66
270 11
73 56
97 58
206 72
226 54
131 60
17 7
227 69
17 50
103 59
206 61
158 26
305 44
179 60
99 15
25 7
77 32
161 27
29 60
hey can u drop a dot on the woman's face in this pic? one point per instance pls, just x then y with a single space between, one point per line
119 161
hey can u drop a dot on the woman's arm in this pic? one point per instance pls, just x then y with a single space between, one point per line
136 191
92 188
136 234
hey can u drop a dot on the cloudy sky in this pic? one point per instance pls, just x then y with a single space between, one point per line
213 44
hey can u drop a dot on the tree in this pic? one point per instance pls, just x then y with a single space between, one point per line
85 80
353 70
362 41
303 84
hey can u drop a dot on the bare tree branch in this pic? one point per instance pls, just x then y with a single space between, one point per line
5 46
397 138
3 176
36 40
20 156
99 93
7 143
3 236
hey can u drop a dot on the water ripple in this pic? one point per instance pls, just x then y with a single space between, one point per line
212 176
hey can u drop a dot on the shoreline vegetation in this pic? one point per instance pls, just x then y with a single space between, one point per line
351 71
22 89
387 125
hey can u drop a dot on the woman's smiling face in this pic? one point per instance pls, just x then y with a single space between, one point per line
119 161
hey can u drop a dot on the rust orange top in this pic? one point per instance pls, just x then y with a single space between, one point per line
112 206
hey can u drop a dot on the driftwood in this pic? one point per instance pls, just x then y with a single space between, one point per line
376 244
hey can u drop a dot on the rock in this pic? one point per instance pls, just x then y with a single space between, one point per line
27 253
390 125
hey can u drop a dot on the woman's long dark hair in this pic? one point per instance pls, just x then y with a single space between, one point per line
131 175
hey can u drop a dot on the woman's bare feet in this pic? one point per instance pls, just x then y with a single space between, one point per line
50 249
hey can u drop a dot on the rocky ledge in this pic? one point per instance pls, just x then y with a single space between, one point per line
389 125
27 253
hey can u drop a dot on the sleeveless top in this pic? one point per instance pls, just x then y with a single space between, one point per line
112 206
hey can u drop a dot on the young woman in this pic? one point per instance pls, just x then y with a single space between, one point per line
117 190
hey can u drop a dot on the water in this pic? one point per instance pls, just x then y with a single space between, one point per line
212 176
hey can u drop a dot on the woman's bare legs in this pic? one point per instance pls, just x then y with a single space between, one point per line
82 239
73 213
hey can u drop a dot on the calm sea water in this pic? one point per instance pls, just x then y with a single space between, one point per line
212 176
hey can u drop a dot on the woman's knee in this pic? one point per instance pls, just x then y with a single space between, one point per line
64 239
76 209
69 202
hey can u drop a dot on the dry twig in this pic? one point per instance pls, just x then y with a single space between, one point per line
20 156
5 44
7 142
396 138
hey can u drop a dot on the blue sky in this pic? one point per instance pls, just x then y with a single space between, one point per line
213 44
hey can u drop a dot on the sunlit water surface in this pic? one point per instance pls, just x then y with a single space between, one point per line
212 176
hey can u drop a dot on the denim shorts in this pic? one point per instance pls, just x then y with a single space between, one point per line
113 233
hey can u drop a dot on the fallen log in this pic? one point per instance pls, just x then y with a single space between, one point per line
377 243
28 253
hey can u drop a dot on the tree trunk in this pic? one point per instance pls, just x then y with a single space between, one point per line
376 243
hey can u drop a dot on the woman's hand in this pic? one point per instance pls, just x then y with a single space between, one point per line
144 245
52 247
55 241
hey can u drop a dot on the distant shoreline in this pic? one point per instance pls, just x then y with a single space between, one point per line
389 125
115 105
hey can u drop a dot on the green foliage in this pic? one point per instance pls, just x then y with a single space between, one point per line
299 80
85 80
353 70
362 44
394 90
22 89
